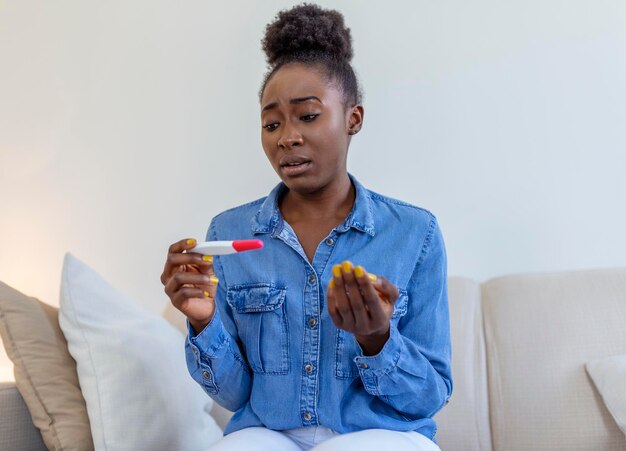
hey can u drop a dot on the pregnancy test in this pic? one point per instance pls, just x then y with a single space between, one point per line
226 247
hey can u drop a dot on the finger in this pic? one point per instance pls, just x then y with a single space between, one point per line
343 303
388 291
357 304
371 297
176 249
189 258
210 285
206 266
182 245
203 263
212 288
182 279
331 304
189 293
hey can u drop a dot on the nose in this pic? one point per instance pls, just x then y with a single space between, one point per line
290 137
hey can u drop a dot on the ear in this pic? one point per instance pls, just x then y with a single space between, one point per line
355 119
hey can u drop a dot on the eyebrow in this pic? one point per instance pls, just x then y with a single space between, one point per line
269 106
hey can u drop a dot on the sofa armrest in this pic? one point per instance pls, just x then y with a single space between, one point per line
17 431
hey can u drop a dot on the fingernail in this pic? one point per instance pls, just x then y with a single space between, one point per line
337 270
191 242
372 277
207 258
358 271
347 267
214 280
332 283
206 294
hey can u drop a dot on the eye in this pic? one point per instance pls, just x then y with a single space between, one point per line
271 127
308 117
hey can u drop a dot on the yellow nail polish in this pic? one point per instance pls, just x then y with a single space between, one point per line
207 258
372 277
347 267
358 271
191 242
337 270
332 283
206 294
214 280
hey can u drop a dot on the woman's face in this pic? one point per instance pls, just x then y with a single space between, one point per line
306 129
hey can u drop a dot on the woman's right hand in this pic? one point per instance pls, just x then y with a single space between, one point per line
190 283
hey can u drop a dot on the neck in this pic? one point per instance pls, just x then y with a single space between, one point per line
333 201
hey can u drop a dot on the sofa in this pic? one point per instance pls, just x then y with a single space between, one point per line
522 346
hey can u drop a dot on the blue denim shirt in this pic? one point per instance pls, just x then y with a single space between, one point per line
272 354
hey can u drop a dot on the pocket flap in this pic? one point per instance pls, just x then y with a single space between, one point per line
256 297
400 307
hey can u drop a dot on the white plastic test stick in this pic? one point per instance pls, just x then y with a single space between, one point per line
226 247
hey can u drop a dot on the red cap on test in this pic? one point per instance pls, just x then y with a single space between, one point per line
247 245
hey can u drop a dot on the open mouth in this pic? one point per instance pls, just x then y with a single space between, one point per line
294 165
298 167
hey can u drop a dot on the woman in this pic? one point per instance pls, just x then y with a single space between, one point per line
307 348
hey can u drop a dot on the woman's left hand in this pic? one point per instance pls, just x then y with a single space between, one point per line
361 306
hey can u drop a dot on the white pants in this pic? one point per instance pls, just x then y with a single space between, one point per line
323 439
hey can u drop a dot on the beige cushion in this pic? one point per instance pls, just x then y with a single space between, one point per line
540 331
464 423
45 373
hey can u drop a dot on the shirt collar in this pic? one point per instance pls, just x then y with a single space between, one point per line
268 218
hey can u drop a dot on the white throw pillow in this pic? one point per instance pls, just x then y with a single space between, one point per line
131 368
609 376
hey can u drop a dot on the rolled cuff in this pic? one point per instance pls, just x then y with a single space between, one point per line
210 340
370 367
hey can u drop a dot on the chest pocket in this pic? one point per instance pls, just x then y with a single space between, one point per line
259 313
347 348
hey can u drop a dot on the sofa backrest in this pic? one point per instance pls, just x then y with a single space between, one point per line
519 346
463 424
540 330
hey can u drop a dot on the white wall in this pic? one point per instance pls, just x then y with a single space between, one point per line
125 126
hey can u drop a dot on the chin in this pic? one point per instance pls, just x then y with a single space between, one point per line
302 185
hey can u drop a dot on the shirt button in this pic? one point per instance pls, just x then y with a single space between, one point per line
330 241
205 374
307 416
312 322
312 279
364 366
308 368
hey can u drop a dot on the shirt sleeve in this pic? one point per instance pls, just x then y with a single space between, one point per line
214 358
412 372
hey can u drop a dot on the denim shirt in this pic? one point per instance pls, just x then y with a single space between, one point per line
272 353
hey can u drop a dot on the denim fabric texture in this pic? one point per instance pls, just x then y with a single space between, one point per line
272 354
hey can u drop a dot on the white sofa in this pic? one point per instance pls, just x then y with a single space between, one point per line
519 345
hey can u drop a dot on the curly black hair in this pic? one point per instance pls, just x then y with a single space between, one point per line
316 37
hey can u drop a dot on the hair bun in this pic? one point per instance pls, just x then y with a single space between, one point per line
306 29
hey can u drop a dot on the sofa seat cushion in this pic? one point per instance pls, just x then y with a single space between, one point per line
17 431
